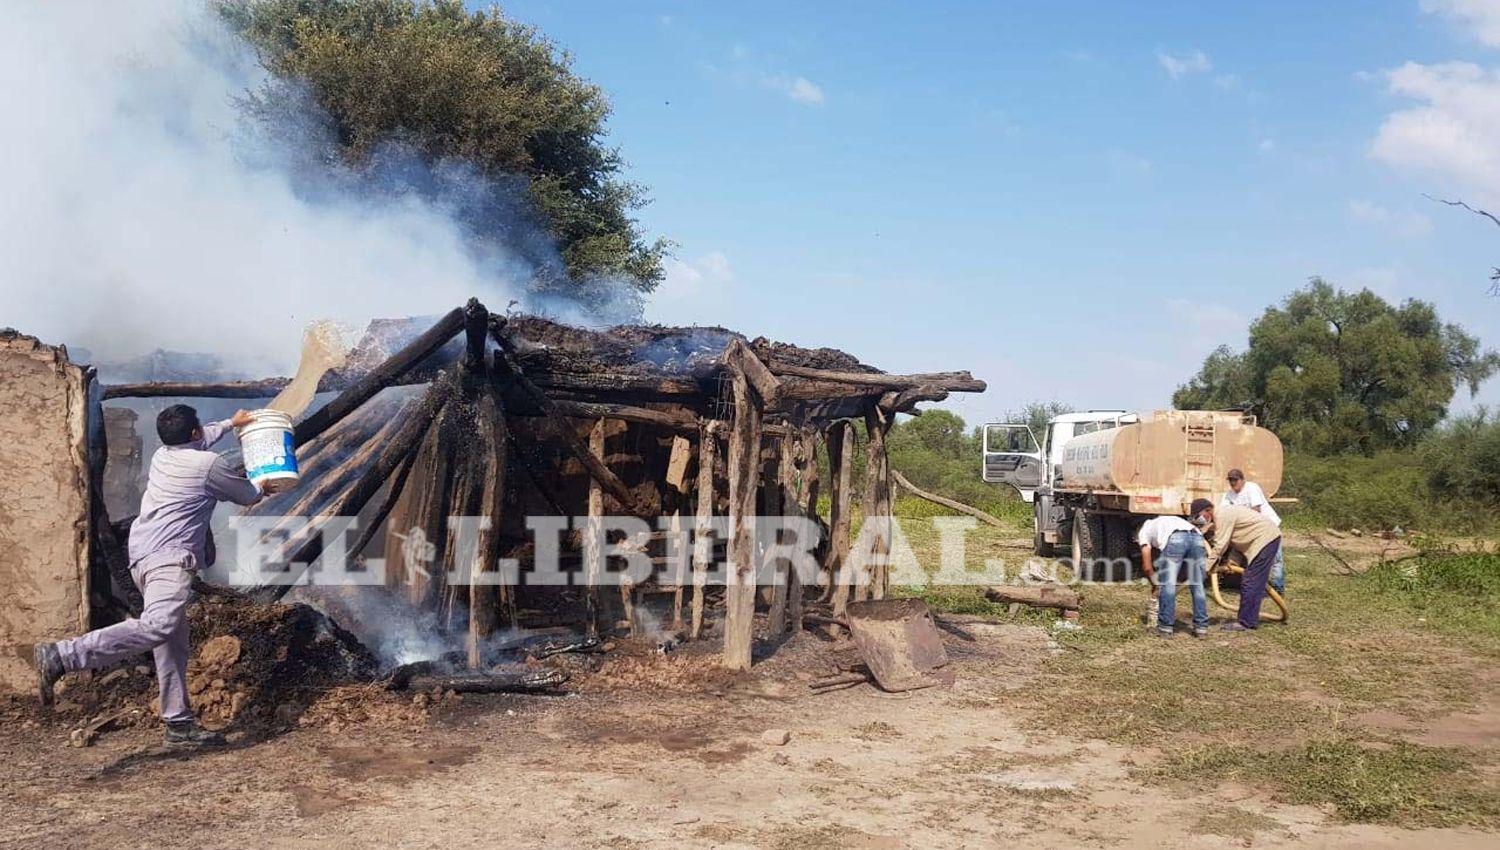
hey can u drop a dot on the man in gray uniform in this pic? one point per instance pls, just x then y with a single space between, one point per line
169 543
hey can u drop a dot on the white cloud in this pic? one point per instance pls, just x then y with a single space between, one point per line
1453 131
1267 145
799 89
686 280
1481 18
1196 62
1401 223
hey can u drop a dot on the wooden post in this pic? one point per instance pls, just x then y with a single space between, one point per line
878 499
840 465
682 453
593 555
703 544
494 442
807 502
744 472
783 485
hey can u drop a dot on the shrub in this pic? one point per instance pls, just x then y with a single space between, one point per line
1385 490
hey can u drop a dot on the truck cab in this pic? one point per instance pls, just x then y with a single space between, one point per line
1015 455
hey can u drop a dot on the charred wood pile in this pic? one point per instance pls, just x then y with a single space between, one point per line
506 418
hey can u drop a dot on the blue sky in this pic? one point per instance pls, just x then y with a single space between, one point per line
1075 201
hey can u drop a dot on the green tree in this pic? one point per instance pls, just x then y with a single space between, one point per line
1036 414
1333 371
459 85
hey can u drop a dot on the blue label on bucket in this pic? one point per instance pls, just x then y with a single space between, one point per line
276 464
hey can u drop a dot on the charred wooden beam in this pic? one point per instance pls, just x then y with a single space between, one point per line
642 387
952 381
382 376
904 401
266 388
352 501
506 366
765 383
476 330
483 598
679 420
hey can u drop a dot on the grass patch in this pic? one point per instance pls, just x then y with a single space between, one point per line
1404 784
1456 592
1354 644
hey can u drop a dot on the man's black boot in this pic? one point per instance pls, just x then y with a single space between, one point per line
187 733
49 668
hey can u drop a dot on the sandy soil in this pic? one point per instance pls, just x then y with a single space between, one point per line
658 751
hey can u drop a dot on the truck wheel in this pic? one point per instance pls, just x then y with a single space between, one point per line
1088 543
1039 544
1117 546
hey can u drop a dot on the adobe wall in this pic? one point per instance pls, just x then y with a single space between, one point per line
44 501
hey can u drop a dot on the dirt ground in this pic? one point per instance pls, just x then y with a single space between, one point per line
666 751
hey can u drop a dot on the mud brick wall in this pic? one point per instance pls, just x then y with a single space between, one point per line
44 501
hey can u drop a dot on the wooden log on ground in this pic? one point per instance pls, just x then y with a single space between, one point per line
744 472
840 464
702 541
382 376
944 501
1039 596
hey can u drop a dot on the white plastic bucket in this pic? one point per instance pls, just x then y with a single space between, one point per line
267 446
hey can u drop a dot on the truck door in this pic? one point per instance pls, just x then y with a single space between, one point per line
1012 456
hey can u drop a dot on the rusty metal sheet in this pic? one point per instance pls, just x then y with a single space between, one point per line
899 642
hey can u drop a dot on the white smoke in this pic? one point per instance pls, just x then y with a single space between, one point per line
143 211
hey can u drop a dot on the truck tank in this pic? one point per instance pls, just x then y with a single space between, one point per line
1171 457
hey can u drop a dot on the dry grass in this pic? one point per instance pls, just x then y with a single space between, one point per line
1276 708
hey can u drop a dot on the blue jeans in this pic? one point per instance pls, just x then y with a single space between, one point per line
1278 571
1184 558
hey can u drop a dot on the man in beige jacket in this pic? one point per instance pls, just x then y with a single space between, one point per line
1252 535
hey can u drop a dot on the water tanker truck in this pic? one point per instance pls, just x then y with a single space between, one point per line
1092 478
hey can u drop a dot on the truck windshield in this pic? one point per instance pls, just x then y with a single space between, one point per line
1096 425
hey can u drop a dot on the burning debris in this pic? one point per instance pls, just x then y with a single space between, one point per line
509 419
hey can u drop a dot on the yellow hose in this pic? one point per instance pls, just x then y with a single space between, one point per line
1235 569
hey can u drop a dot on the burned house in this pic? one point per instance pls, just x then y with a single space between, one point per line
502 418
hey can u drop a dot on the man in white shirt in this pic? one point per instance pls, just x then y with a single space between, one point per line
1247 494
1183 556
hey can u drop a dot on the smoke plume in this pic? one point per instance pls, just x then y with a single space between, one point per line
147 211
